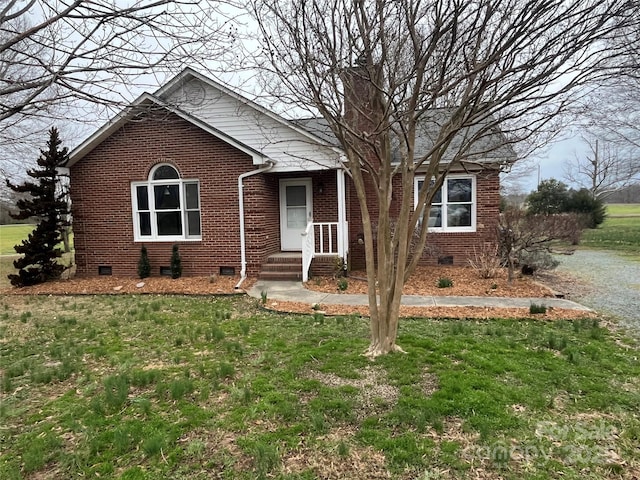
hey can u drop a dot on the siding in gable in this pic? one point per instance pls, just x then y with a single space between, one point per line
280 142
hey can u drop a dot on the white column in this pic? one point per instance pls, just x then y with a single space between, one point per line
342 214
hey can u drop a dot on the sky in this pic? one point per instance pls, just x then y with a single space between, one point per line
551 162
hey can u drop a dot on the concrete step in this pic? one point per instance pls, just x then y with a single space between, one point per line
282 267
281 275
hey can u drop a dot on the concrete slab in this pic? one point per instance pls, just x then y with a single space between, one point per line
295 292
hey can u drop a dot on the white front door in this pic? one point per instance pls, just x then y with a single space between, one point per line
295 212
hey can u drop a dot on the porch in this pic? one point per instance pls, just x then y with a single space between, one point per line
311 220
324 252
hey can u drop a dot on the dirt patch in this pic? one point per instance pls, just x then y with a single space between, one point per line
373 389
358 463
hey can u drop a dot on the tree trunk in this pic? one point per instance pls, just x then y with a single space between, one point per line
384 327
65 239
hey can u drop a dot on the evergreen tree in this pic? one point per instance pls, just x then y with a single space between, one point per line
176 263
144 265
551 197
47 204
591 208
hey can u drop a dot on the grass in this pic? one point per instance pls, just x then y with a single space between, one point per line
620 230
620 209
11 235
92 387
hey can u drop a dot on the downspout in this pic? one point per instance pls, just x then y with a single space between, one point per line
243 253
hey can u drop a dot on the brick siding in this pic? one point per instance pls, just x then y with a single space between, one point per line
459 245
103 217
102 211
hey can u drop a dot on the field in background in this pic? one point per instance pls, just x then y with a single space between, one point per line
11 235
623 209
620 231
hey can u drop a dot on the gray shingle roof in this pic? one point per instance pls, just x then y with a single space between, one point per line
489 147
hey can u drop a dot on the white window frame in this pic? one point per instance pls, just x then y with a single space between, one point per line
445 203
150 183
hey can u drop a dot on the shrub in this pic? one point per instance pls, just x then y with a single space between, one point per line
589 207
486 262
531 262
445 282
176 263
343 284
535 309
144 266
339 267
521 234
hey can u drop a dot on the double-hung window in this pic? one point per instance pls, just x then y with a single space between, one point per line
454 205
166 207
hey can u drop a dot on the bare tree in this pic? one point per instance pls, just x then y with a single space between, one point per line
611 112
450 74
605 169
523 237
56 55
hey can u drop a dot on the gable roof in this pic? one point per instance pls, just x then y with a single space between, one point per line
189 72
161 98
305 144
489 147
144 102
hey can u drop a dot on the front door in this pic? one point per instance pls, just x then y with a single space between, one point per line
295 212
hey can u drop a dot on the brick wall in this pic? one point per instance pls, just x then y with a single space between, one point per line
439 244
362 109
103 217
101 194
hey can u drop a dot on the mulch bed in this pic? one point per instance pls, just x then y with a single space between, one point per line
466 283
423 282
431 312
214 285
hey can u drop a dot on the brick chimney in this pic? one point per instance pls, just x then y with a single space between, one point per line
361 98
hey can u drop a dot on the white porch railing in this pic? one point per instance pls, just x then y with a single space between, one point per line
323 238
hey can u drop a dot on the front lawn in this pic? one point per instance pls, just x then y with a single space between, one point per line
173 387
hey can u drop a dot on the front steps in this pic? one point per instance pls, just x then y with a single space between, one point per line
285 266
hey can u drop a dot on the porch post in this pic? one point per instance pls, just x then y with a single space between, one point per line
342 214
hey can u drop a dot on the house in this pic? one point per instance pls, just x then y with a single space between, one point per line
240 189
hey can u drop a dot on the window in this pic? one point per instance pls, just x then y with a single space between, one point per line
454 205
166 207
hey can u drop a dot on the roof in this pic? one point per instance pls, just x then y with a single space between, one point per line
490 148
143 102
158 98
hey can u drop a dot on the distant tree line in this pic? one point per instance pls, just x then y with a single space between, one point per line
630 194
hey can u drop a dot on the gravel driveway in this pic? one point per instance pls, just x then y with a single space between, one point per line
606 282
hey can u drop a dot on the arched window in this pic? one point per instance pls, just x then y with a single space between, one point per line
166 207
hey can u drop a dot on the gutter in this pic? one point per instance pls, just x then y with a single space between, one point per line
243 253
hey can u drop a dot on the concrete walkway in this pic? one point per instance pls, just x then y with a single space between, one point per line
295 292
